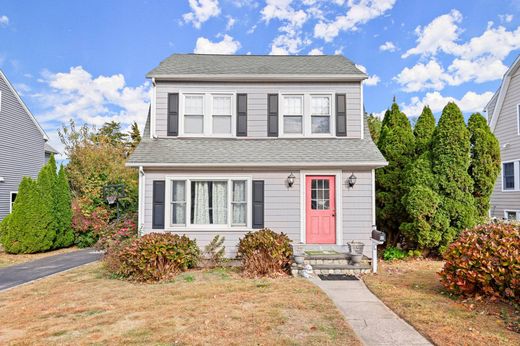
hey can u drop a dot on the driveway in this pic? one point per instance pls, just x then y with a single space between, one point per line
19 274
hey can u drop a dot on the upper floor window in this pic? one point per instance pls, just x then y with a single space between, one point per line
194 114
508 176
308 115
207 114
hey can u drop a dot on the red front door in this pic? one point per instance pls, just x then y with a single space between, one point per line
320 209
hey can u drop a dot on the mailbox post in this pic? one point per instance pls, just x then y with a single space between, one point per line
378 238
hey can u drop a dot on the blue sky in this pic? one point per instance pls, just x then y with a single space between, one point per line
86 60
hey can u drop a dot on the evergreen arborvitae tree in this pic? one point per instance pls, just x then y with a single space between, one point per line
135 136
397 145
27 228
64 232
47 181
374 126
450 164
485 162
423 130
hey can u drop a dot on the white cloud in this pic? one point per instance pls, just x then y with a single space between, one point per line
4 21
371 80
479 59
227 45
316 51
439 35
388 46
78 95
506 18
290 40
470 102
201 11
230 23
359 12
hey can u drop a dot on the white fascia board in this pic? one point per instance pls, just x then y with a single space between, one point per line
262 77
502 94
373 164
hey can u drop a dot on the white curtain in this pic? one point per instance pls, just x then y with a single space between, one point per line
219 202
201 203
239 205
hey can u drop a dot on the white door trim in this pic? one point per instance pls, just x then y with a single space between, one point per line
338 174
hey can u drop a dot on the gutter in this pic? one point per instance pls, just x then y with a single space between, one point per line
372 164
259 77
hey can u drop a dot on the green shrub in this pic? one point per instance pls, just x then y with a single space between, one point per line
152 257
393 253
213 254
118 231
86 239
265 253
63 214
485 261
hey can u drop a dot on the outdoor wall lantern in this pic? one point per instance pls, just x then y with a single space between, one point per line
290 180
352 180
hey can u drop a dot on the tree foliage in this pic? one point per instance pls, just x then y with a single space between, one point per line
485 162
374 126
64 233
423 131
450 163
397 144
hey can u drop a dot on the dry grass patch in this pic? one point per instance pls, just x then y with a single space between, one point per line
10 259
412 290
84 306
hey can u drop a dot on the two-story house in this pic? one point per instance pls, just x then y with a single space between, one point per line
23 144
236 143
503 111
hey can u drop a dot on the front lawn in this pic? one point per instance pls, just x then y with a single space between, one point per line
413 291
84 306
10 259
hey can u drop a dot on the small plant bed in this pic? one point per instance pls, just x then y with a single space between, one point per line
12 259
197 307
413 290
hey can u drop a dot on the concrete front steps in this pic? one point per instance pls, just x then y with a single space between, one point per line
330 262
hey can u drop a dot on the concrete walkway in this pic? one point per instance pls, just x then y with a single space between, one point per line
22 273
373 321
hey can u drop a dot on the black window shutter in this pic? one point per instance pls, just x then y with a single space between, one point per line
242 115
173 114
341 115
272 115
258 204
158 204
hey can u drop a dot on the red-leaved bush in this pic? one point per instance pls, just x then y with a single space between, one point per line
484 261
152 257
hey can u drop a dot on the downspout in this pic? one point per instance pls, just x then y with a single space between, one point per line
141 199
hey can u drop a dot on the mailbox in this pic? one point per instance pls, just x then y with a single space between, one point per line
378 236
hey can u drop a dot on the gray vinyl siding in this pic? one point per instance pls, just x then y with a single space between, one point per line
21 146
257 101
506 131
282 206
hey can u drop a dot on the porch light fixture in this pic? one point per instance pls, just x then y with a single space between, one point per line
290 180
352 180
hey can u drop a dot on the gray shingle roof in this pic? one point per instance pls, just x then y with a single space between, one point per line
208 64
256 152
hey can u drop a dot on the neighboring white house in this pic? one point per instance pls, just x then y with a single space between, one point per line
236 143
503 112
23 144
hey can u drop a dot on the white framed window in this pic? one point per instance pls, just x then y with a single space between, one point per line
194 114
209 202
292 114
511 215
509 176
308 114
12 198
222 114
321 113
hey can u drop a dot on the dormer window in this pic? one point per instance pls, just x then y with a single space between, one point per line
307 115
222 114
205 114
320 114
293 114
194 114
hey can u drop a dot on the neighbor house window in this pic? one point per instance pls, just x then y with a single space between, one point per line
509 176
178 202
320 114
510 215
293 114
194 114
11 202
222 114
